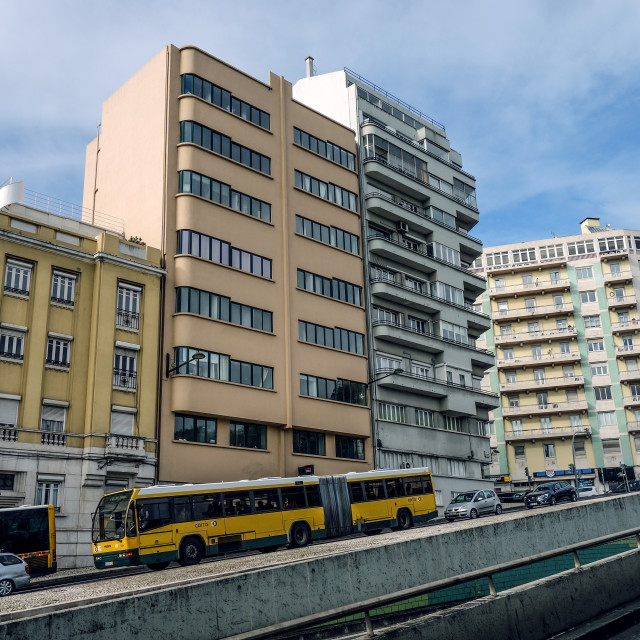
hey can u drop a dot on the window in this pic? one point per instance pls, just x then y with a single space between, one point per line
448 293
591 322
48 493
565 347
9 411
533 327
514 400
333 337
248 435
382 273
447 220
11 343
454 332
584 272
453 423
551 251
220 252
212 305
122 422
536 351
599 369
417 325
339 390
443 253
223 145
128 306
195 85
53 417
606 245
527 279
326 190
17 277
391 412
505 330
500 258
507 353
580 247
523 255
6 481
421 370
324 148
499 283
606 418
218 366
222 193
503 307
393 156
195 429
611 447
511 376
58 352
558 301
424 418
347 447
413 284
330 287
554 277
595 345
333 236
549 450
530 304
614 268
309 442
519 451
545 424
62 288
384 363
125 368
631 364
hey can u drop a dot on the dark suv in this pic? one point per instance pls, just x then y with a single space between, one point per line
550 494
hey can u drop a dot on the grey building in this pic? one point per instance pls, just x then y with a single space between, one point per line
418 207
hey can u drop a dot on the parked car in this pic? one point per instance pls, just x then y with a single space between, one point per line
587 492
550 494
14 573
634 485
519 497
472 504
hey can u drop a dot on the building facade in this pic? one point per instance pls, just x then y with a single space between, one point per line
418 207
565 324
79 332
253 199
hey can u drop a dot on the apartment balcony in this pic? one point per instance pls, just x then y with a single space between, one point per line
381 171
53 439
125 380
128 320
524 313
546 408
630 326
537 287
629 376
553 433
393 291
522 337
614 254
621 302
536 265
618 277
544 360
125 447
631 401
628 350
560 382
633 426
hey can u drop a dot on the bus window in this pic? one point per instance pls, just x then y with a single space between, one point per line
153 513
355 489
130 529
206 505
237 503
266 500
293 497
313 495
395 488
374 489
427 486
413 486
182 509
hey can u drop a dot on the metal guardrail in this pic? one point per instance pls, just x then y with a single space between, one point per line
365 606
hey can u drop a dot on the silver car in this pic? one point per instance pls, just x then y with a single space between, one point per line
14 573
472 504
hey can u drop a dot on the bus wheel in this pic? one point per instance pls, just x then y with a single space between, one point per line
158 566
300 535
405 521
6 588
190 552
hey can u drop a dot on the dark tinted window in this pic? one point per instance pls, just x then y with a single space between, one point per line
374 489
237 503
266 500
313 495
293 497
182 509
395 488
207 505
427 486
413 486
357 494
153 513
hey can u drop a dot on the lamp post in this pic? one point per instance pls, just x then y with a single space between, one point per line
386 375
586 433
198 355
376 440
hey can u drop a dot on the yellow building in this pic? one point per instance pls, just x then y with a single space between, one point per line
79 331
252 198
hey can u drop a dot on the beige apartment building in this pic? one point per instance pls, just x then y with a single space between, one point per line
565 324
253 199
79 331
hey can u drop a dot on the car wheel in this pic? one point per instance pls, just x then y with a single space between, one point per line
574 497
6 587
552 501
498 509
529 506
300 535
190 552
473 514
158 566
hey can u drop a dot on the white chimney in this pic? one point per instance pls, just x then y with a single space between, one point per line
309 61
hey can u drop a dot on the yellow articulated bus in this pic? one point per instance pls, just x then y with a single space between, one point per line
156 525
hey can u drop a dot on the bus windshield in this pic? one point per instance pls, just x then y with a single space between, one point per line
24 531
109 518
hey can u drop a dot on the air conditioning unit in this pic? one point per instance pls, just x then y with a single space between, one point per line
406 465
402 227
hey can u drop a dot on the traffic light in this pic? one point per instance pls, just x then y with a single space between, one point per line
572 468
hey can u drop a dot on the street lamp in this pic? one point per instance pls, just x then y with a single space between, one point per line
377 443
386 375
198 355
586 433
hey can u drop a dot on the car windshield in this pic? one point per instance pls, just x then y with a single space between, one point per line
542 488
464 497
7 560
109 518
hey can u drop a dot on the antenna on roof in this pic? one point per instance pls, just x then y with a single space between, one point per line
554 235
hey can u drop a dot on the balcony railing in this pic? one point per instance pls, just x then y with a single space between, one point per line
127 319
560 381
542 359
629 375
618 276
528 312
53 439
627 325
532 336
62 364
622 301
533 287
125 380
628 401
545 407
16 291
628 349
8 432
63 301
633 425
125 446
520 266
11 355
551 432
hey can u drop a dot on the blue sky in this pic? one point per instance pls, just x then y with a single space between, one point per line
541 97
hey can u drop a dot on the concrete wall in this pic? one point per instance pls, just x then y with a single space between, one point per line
254 599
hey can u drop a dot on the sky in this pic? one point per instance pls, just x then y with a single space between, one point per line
540 97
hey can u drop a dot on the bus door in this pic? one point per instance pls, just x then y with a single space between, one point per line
268 515
240 523
338 520
207 515
155 527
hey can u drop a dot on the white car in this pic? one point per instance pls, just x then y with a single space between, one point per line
587 492
14 573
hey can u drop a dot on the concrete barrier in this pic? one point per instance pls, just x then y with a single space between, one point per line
228 605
